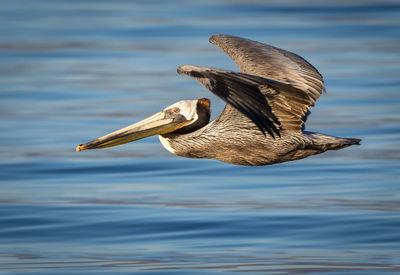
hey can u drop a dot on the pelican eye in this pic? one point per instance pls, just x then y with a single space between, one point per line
175 110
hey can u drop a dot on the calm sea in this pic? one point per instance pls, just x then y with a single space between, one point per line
71 71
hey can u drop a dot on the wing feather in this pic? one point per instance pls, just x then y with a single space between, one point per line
274 89
273 63
254 96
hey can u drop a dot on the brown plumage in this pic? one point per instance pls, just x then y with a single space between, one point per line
273 91
263 120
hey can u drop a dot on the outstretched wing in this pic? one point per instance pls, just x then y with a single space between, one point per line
260 99
272 63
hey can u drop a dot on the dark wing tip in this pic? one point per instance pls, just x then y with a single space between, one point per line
180 70
356 141
216 38
193 71
213 38
187 70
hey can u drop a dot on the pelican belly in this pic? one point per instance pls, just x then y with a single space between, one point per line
166 143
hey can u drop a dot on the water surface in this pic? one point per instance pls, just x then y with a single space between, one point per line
74 70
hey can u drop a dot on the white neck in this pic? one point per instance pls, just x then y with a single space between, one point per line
167 145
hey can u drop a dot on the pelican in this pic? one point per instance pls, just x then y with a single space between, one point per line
262 123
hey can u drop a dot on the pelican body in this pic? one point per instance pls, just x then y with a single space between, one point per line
263 121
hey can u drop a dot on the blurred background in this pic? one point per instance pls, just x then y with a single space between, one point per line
72 71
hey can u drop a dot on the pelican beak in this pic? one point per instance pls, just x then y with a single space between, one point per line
161 123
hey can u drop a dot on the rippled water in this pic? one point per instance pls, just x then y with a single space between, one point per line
71 71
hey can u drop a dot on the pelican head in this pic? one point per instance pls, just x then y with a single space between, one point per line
181 117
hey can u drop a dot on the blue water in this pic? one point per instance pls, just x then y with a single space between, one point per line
71 71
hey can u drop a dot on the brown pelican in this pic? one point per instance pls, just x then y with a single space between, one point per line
263 120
